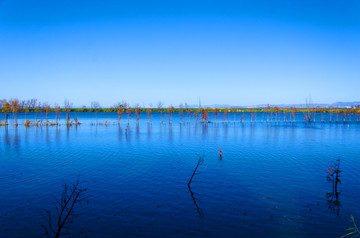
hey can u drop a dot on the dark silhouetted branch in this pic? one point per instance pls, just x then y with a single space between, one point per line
70 196
198 209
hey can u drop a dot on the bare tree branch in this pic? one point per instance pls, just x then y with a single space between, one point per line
198 209
70 196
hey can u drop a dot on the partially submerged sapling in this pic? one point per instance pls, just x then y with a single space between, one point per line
220 153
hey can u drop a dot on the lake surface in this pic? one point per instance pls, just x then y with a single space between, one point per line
271 181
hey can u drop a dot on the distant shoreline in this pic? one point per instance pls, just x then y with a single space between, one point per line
273 109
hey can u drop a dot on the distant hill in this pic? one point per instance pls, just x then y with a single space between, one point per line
345 104
324 105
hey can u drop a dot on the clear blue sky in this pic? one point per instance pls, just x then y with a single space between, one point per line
227 52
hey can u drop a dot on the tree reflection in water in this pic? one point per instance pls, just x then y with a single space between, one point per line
334 177
198 209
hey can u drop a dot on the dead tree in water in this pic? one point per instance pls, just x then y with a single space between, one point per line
148 111
171 110
57 113
181 111
337 113
330 116
95 107
277 114
225 116
129 111
196 117
70 196
235 113
15 108
252 115
47 110
198 209
6 109
268 107
216 112
204 116
68 106
293 112
159 106
188 110
137 113
120 111
344 116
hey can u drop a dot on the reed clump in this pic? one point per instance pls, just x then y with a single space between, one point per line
352 231
73 123
27 123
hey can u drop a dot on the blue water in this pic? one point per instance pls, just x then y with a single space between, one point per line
271 181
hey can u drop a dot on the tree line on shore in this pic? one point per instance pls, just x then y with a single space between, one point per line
273 114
